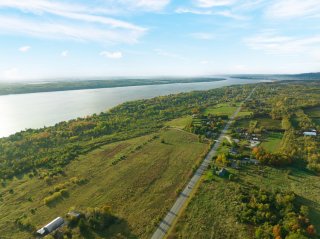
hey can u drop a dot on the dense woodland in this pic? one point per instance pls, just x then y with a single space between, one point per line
275 215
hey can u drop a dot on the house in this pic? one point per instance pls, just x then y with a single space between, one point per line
254 143
74 214
50 227
254 161
223 172
310 133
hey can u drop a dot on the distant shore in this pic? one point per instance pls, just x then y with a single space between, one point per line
25 88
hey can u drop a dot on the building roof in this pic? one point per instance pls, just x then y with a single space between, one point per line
309 133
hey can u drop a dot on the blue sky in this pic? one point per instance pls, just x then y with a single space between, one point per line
42 39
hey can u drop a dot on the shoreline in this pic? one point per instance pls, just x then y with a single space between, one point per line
28 88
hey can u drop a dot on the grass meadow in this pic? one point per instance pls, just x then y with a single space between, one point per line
138 178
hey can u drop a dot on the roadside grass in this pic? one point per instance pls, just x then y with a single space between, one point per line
180 123
212 212
225 109
273 141
139 188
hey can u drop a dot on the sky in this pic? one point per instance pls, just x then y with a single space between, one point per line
44 39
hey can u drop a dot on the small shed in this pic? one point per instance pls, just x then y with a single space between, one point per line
310 133
222 172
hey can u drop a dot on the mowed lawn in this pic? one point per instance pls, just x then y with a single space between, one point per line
212 211
139 188
225 109
273 142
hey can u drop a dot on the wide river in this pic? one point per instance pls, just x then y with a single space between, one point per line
36 110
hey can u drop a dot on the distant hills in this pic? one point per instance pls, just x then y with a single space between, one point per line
302 76
35 87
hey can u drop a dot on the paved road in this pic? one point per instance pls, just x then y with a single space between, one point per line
166 223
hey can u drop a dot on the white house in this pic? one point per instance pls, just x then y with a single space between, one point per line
310 133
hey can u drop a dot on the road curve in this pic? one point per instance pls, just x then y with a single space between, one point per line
173 213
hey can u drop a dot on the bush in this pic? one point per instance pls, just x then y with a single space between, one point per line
52 198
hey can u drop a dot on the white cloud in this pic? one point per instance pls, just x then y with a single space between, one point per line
273 43
294 8
147 5
226 13
112 55
13 25
214 3
64 53
182 10
71 21
24 48
203 35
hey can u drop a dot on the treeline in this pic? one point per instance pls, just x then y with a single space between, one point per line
53 147
23 88
275 215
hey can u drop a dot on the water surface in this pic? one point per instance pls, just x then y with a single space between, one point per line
36 110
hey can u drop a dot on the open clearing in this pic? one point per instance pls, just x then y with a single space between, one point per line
180 123
273 142
139 188
214 205
268 123
225 109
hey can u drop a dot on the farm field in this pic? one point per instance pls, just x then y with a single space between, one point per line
225 109
138 178
215 206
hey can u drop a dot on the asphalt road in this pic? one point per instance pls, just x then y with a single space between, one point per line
171 216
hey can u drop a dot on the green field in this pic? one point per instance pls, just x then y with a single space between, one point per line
139 188
242 123
268 123
180 123
273 141
225 109
313 112
212 212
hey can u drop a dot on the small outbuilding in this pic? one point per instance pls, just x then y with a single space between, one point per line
51 226
222 172
312 133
